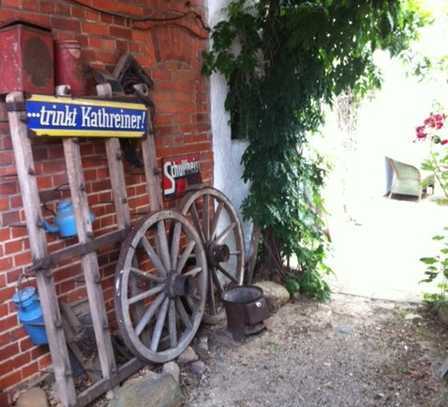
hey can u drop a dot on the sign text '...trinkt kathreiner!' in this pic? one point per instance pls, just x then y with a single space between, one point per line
58 116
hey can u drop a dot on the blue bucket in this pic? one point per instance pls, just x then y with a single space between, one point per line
31 315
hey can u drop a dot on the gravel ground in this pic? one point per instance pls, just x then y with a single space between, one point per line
351 352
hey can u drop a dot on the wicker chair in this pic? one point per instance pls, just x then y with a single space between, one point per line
409 180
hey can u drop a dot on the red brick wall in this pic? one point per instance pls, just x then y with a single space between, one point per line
172 56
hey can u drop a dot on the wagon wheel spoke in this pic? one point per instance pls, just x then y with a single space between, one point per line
148 314
193 272
160 322
146 294
217 282
206 217
225 233
191 304
153 255
146 275
172 324
163 243
184 257
175 243
211 294
227 274
196 221
183 314
215 220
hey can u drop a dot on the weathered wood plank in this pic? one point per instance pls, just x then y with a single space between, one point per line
38 244
89 262
116 171
152 173
80 249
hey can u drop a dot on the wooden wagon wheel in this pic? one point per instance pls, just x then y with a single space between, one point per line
219 227
160 286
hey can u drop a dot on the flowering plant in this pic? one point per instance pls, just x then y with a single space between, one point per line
435 130
434 127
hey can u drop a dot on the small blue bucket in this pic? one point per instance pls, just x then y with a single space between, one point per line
30 314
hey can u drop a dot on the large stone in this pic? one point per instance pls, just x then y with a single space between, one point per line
34 397
198 368
173 369
149 391
276 295
188 356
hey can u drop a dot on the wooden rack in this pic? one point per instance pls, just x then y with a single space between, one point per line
86 248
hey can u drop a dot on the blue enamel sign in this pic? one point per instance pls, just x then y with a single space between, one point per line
62 116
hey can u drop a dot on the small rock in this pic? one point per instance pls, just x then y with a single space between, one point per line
151 391
34 397
411 316
173 369
110 395
188 356
198 368
203 344
344 329
276 295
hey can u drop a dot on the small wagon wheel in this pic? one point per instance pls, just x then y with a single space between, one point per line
219 227
161 286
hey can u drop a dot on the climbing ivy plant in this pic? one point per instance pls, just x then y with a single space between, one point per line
284 60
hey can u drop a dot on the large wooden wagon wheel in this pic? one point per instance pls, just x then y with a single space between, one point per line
160 286
219 227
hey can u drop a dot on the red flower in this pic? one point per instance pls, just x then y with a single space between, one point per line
439 119
443 142
420 132
430 122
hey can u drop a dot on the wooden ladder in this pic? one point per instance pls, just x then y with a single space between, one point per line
85 248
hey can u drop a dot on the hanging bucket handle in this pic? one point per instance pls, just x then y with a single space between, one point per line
24 276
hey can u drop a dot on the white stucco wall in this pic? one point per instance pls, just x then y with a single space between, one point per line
227 152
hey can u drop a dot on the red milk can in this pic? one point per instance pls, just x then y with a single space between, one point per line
26 62
70 68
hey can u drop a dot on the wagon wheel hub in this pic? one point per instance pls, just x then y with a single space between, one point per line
177 285
217 253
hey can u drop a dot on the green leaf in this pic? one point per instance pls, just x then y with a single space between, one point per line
428 260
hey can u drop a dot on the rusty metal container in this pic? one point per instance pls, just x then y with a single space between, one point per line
70 67
26 62
246 309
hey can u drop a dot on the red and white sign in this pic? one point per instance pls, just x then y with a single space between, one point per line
178 174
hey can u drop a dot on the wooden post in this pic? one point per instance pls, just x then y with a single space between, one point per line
152 173
89 261
116 171
153 181
38 244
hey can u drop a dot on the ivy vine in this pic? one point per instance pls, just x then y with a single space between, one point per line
284 60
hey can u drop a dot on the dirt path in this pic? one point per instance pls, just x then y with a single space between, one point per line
351 352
